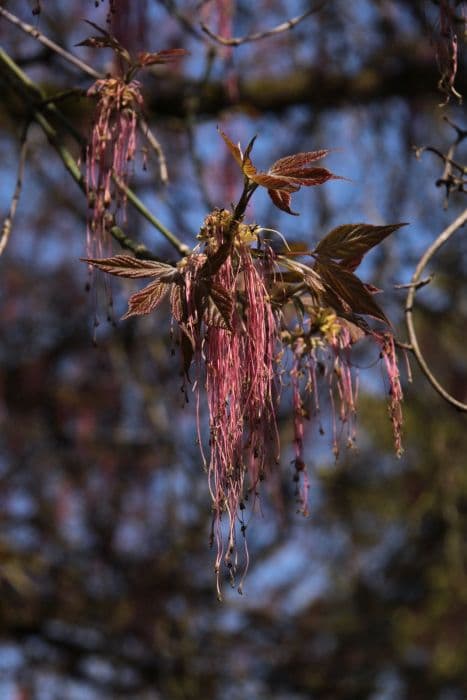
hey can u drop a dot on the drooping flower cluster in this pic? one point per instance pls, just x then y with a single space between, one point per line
258 323
320 349
110 153
112 146
239 380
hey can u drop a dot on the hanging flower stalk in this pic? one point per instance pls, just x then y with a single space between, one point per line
251 319
239 361
110 154
113 143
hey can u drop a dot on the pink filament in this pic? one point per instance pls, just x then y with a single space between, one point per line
111 150
239 386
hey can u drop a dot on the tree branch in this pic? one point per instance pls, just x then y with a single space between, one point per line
139 249
279 29
424 260
36 34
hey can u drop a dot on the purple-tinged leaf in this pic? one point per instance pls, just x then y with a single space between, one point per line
310 177
285 165
177 303
273 182
286 175
282 200
219 308
128 266
346 292
147 299
352 241
146 58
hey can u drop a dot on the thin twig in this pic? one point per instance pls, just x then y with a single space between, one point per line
157 148
417 285
182 248
424 260
89 70
257 36
447 159
36 34
184 21
139 249
7 224
403 346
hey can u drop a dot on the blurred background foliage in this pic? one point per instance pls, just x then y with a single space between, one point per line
106 578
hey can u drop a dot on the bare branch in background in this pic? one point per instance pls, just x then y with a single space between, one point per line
257 36
59 50
451 180
415 283
185 22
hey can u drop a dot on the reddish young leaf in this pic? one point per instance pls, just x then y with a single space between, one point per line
310 177
177 303
128 266
346 292
219 308
282 201
147 299
352 241
99 42
289 276
286 175
290 164
106 40
236 151
146 58
273 182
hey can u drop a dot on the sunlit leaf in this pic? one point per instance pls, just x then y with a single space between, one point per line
235 150
274 182
310 177
146 58
128 266
285 176
291 163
